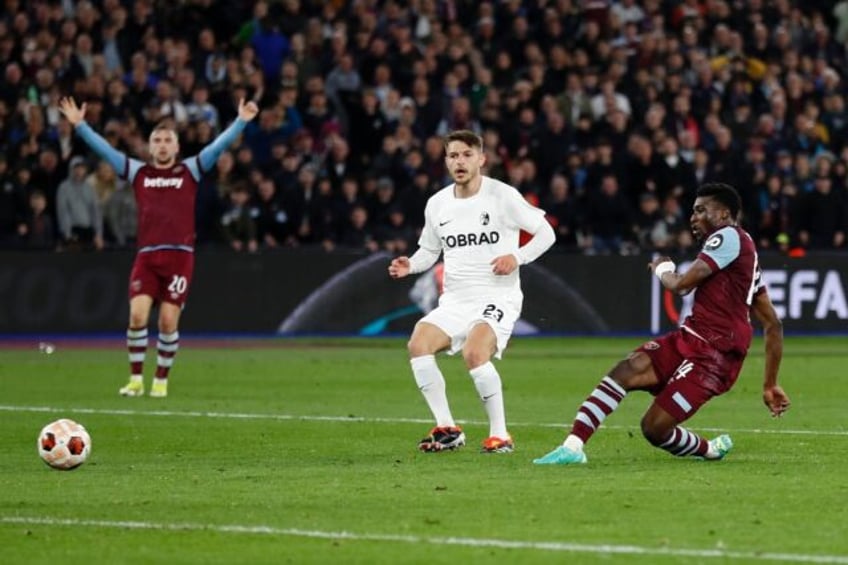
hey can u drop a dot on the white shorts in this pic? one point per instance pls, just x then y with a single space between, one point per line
456 317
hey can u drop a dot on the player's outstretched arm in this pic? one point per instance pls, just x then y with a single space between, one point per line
775 399
420 261
210 154
681 283
76 116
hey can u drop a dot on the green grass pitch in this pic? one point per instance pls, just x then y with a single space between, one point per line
304 451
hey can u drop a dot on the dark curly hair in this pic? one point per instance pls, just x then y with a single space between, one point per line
724 194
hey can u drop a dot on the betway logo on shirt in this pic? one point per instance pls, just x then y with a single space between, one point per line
161 182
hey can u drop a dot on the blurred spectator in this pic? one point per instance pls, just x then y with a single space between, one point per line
381 206
342 85
273 224
37 230
356 234
271 48
105 182
274 124
649 227
677 225
120 214
776 202
165 104
77 210
395 236
339 162
370 125
562 211
200 109
237 224
607 218
822 216
12 204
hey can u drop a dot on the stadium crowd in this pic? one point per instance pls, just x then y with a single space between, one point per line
606 113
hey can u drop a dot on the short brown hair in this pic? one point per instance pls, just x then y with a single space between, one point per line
166 125
466 136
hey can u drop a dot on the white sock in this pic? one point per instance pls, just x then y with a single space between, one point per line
573 443
136 378
488 384
431 383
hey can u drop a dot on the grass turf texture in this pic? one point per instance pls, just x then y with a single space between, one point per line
304 451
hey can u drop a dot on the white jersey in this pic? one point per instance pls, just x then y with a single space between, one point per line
471 232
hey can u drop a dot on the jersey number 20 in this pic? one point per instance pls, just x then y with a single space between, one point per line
178 284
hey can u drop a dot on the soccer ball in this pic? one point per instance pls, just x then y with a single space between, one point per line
64 444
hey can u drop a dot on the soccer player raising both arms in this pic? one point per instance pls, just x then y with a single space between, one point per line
165 191
686 367
475 222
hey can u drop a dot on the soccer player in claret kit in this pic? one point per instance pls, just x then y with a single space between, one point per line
165 191
685 368
475 222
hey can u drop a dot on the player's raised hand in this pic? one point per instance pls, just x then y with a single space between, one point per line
776 400
399 267
247 110
504 265
74 114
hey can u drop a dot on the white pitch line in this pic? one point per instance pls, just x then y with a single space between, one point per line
553 546
366 419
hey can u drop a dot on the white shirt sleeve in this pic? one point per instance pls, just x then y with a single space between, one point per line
532 220
422 260
542 240
523 215
429 245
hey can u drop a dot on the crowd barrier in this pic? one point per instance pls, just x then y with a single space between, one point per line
309 292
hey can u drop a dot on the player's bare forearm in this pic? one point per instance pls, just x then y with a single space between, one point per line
773 396
681 283
774 354
775 399
763 310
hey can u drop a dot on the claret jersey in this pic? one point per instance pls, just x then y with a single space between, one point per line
165 197
165 200
722 304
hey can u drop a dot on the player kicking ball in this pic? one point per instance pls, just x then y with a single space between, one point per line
685 368
474 222
165 191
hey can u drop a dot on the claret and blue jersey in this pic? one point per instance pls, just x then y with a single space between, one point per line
721 309
165 197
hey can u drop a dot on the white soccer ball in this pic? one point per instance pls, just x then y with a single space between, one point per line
64 444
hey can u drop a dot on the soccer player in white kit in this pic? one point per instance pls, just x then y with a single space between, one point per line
475 222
